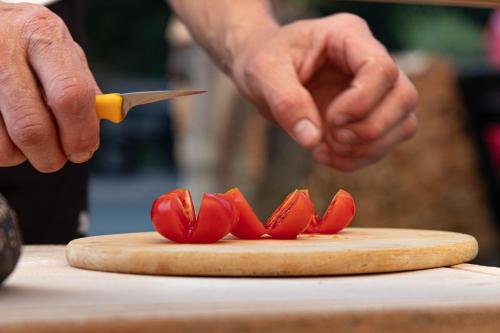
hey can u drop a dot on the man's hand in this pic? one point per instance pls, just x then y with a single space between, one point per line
328 82
47 93
332 86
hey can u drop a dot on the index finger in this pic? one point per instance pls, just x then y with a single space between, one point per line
374 75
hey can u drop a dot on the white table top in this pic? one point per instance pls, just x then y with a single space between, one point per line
46 295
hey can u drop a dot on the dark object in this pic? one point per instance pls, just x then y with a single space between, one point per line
10 240
49 206
480 87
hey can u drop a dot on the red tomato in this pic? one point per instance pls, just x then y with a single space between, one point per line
173 217
292 217
338 215
249 226
187 202
313 227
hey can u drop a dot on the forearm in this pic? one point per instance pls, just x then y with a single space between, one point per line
223 27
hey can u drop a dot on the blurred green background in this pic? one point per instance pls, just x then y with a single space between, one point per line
129 36
456 32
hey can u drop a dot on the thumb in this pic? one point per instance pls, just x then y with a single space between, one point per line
291 105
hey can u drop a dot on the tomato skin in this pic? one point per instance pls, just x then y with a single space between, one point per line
172 215
249 225
292 217
216 219
169 217
338 215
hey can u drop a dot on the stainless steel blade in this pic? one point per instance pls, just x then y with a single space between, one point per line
138 98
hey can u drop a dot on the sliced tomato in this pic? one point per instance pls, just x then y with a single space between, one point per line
306 192
172 215
292 217
313 227
249 225
187 202
169 217
338 215
216 219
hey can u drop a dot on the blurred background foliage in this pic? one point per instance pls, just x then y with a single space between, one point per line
451 31
128 35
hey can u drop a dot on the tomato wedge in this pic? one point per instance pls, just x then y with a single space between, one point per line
338 215
292 217
249 225
173 216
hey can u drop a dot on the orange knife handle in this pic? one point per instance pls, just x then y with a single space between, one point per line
109 106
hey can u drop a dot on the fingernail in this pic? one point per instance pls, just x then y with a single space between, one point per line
80 157
341 119
306 133
345 136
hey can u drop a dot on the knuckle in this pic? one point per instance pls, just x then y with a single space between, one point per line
351 19
282 104
258 65
410 98
359 108
71 95
371 132
41 28
28 130
388 69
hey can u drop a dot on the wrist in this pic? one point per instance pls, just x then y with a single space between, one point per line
242 36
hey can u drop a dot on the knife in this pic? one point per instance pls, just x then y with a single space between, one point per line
468 3
115 107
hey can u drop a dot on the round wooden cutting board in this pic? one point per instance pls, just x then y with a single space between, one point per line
353 251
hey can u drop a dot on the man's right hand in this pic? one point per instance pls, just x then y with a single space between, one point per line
47 92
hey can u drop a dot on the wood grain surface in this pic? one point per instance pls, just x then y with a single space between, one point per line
353 251
45 294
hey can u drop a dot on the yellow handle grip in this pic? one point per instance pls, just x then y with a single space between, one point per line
109 106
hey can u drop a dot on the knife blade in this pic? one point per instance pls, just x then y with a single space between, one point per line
115 107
